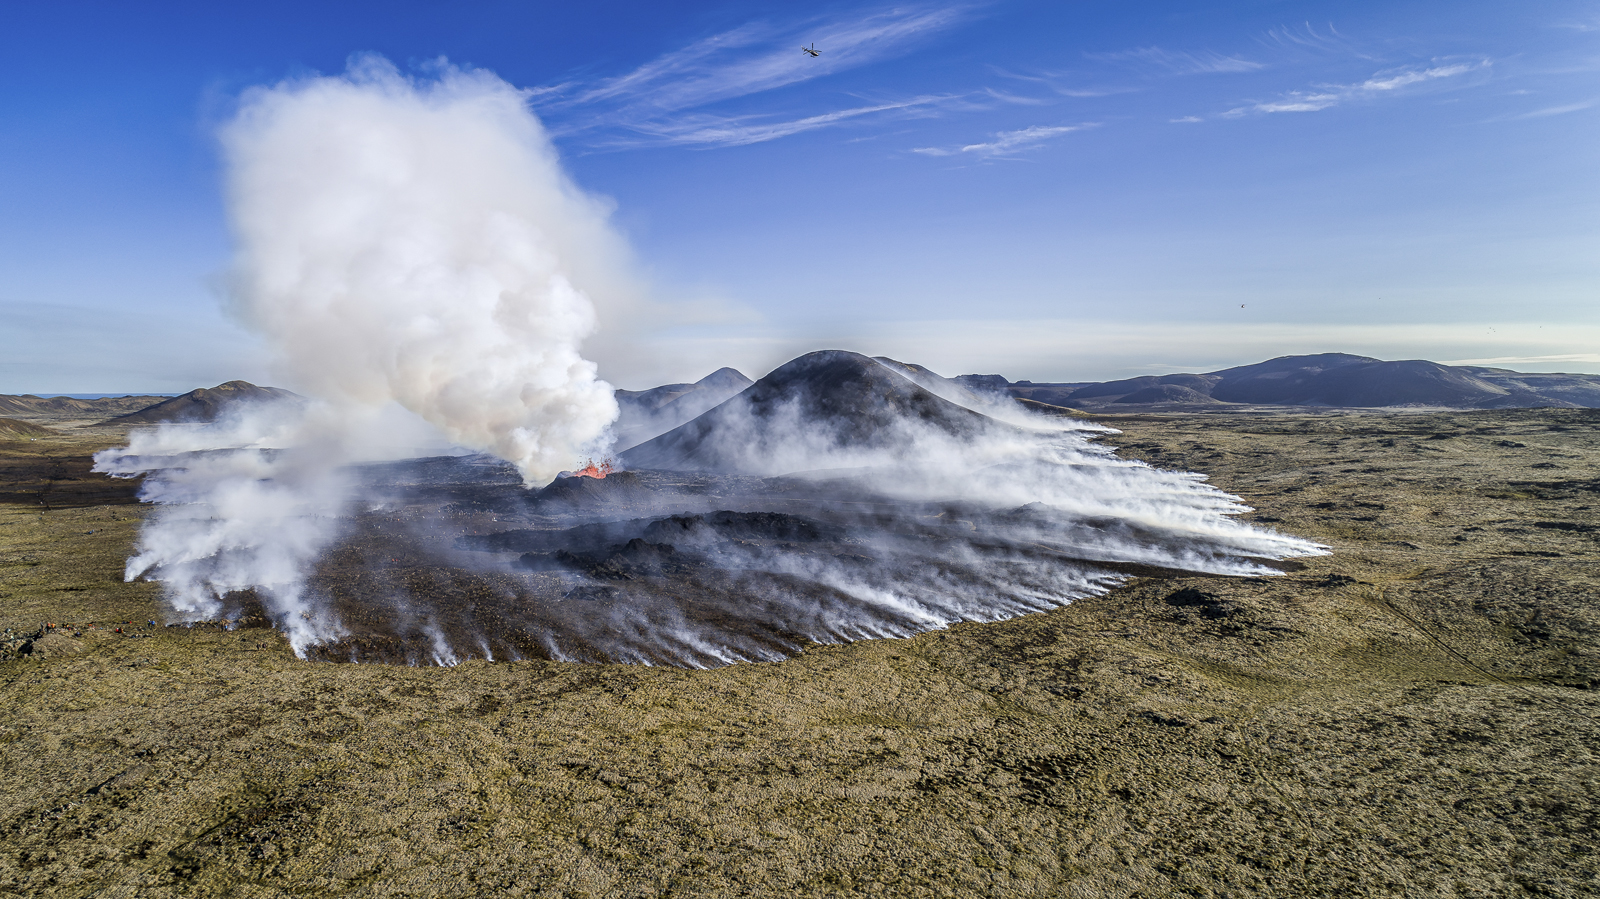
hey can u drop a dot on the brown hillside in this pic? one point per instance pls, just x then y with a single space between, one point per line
10 429
203 404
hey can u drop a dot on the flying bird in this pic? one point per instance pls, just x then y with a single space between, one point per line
811 49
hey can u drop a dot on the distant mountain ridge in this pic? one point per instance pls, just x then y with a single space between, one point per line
856 395
60 406
1338 380
201 405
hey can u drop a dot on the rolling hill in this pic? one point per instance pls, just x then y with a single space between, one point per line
204 404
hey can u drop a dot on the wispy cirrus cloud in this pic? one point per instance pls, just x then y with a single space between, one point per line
734 131
1178 62
666 100
1592 24
1063 84
1389 82
1548 111
1309 37
1007 143
1016 99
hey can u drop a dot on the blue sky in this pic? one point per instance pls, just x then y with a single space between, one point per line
1052 191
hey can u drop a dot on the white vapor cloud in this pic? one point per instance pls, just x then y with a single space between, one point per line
418 243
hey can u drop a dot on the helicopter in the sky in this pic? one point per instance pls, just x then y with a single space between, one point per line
811 49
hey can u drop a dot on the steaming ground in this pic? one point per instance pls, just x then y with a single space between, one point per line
705 559
700 570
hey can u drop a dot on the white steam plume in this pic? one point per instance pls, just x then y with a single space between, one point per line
410 242
402 243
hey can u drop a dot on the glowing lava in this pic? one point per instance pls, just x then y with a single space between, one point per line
594 471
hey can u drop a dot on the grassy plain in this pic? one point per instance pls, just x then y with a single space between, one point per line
1414 715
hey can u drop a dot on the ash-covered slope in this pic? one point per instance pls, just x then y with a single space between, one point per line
1328 379
650 413
969 395
826 404
204 404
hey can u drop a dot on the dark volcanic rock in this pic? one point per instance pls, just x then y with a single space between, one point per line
620 488
1204 604
669 530
725 525
637 558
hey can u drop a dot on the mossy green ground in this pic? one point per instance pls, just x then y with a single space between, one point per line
1414 715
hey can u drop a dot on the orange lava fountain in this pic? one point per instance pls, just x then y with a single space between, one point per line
594 471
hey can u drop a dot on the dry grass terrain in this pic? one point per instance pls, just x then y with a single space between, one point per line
1414 715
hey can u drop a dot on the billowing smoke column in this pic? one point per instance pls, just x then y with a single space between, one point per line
401 243
407 242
